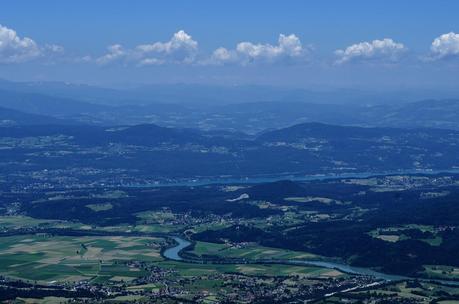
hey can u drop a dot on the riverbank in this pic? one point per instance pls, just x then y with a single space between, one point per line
174 253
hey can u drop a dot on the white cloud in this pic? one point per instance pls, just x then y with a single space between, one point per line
14 49
221 56
152 61
114 53
288 48
376 50
445 46
53 48
85 59
181 45
181 48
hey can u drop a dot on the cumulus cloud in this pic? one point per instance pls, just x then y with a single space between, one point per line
222 56
114 52
288 48
376 50
16 49
181 48
445 46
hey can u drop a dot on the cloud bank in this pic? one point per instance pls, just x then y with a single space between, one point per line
386 50
288 48
181 48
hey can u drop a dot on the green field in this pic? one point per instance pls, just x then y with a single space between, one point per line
395 234
100 207
45 258
46 300
441 272
249 251
18 221
186 269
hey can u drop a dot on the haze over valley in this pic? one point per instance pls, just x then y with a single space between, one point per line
229 152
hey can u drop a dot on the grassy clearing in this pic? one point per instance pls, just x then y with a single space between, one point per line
210 226
442 271
395 234
433 242
157 216
309 199
100 207
157 221
388 237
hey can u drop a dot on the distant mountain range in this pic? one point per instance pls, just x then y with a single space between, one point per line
427 113
209 95
190 107
9 117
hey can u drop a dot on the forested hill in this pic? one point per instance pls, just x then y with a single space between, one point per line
151 150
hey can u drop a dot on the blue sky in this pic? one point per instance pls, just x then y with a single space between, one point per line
323 43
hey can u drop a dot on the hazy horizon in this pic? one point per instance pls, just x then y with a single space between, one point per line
330 44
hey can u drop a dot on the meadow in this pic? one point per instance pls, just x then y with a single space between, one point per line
48 258
248 251
185 269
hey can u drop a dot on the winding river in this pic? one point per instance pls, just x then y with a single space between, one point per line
173 253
